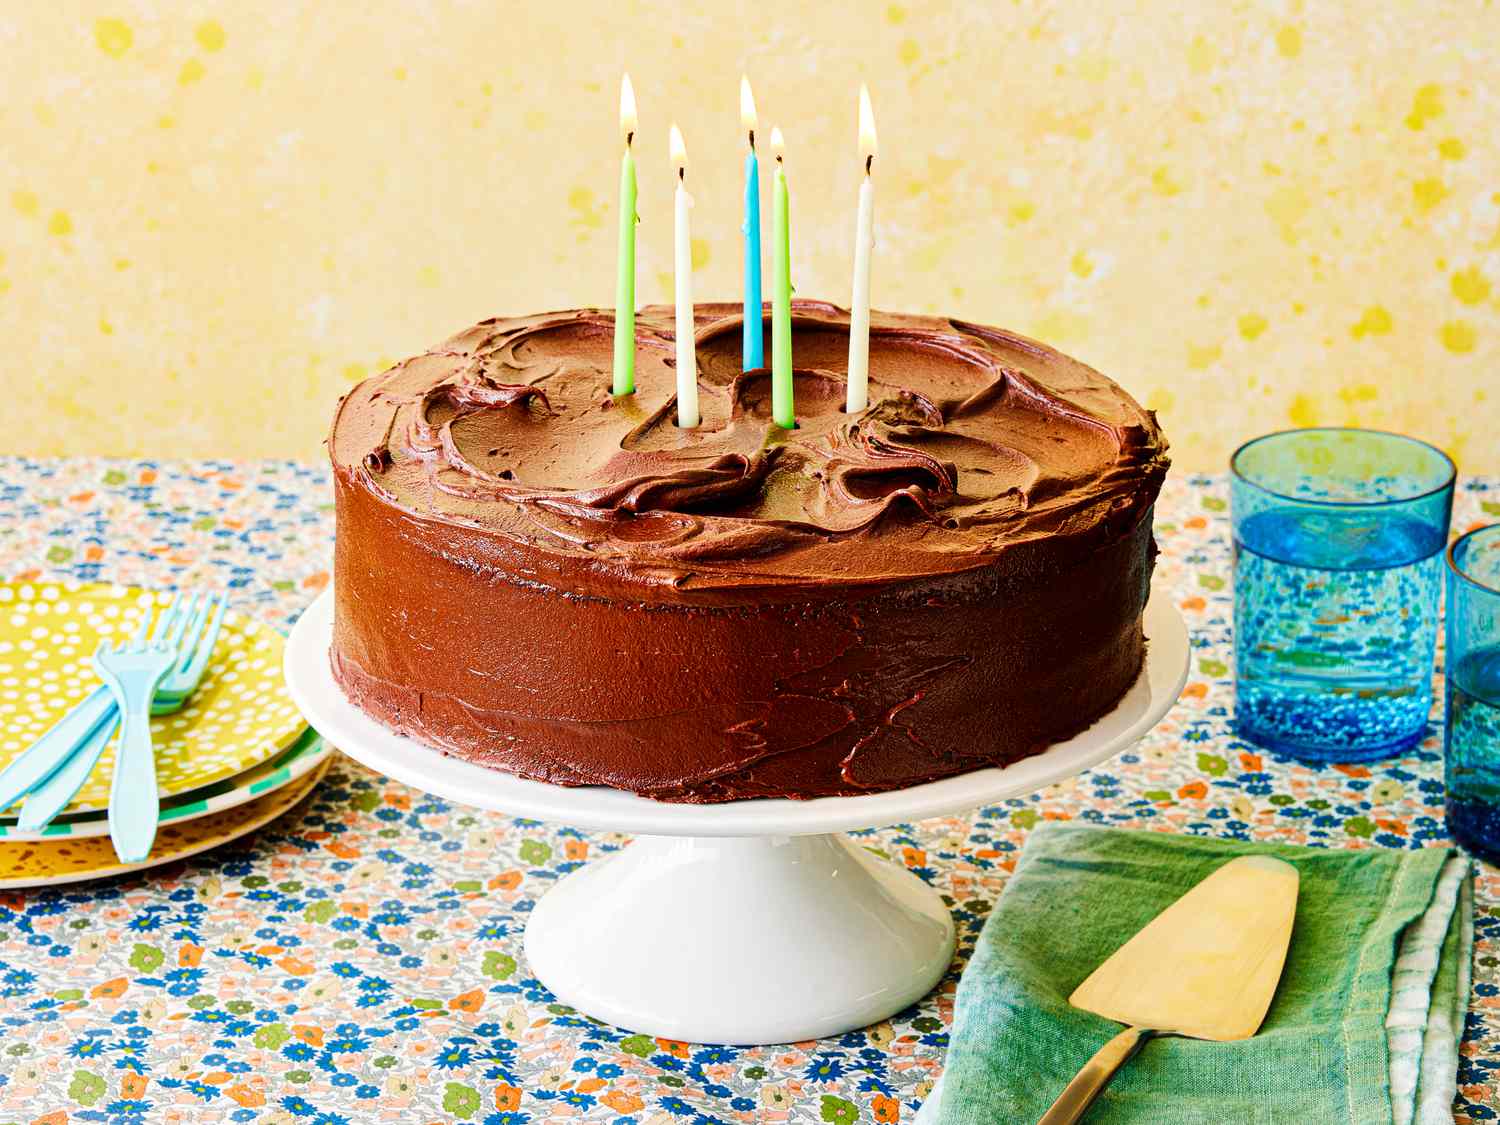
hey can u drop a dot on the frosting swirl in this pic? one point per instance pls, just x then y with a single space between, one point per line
975 442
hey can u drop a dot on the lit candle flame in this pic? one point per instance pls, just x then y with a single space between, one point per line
747 109
778 144
679 151
627 108
866 126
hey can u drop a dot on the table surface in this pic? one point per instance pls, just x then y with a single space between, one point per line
360 959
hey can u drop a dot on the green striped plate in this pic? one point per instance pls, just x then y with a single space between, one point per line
286 767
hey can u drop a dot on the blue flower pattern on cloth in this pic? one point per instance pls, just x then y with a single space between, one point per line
362 956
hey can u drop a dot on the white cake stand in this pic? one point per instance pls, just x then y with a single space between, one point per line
750 922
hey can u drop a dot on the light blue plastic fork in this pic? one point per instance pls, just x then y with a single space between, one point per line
193 626
133 671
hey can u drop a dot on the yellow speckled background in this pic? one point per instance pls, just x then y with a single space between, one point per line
214 216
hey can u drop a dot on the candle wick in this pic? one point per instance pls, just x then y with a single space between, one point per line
682 174
869 163
629 139
752 140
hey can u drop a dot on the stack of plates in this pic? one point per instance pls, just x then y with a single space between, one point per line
235 757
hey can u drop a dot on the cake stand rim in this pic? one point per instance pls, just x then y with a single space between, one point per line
310 681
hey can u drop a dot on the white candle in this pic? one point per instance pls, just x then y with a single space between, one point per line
857 393
687 357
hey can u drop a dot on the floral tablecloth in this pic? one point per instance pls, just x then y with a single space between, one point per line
360 959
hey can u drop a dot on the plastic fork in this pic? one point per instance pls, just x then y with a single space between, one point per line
203 618
198 647
133 671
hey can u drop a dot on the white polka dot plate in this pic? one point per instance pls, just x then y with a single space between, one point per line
240 716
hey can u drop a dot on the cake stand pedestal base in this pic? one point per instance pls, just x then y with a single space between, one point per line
743 940
749 922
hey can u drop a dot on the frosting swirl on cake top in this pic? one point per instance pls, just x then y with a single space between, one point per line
975 441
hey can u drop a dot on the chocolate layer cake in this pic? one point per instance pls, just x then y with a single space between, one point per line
538 577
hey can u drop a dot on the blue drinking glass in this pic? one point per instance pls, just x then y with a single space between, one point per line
1338 543
1473 678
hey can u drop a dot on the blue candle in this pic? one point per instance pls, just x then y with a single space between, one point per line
753 349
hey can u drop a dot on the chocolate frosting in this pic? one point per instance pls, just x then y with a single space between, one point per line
975 440
539 577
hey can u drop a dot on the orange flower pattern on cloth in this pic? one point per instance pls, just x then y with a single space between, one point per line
362 956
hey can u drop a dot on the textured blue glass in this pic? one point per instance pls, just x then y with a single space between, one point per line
1472 742
1338 542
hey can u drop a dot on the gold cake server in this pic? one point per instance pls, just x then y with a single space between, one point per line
1206 967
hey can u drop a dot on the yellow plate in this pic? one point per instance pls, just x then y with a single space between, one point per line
240 715
47 863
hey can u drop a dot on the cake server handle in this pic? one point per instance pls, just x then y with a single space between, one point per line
1089 1082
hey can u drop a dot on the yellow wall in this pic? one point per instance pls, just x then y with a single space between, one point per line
214 216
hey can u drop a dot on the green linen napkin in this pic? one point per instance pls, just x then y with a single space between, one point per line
1363 1030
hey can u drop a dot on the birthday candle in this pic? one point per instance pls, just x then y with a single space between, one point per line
783 410
857 391
753 348
624 370
687 360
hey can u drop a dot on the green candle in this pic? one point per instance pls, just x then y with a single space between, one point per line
624 375
783 411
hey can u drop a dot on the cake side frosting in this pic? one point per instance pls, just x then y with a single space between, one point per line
976 441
